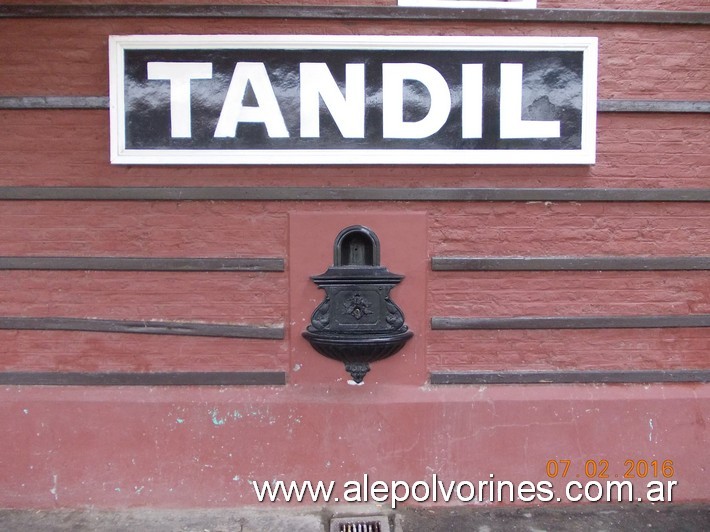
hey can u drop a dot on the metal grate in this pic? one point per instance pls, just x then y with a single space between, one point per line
360 524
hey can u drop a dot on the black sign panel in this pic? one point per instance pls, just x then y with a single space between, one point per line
352 100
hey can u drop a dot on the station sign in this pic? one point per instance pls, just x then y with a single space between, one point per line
285 99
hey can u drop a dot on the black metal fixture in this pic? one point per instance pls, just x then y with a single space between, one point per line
357 323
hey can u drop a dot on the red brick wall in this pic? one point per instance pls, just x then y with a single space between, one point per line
70 148
183 229
199 446
650 151
64 57
685 5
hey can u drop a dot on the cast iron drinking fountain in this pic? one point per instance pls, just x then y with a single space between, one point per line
357 322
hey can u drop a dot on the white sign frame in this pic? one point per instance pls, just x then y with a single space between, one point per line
121 155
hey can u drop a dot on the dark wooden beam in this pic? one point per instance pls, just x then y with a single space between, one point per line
423 14
652 106
54 102
152 264
352 194
102 102
571 322
475 264
142 327
570 377
175 378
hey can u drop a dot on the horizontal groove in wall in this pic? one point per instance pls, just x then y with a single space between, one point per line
234 378
569 377
652 106
474 264
143 327
188 264
351 194
603 106
356 12
54 102
571 322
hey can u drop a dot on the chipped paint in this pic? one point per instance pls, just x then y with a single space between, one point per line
219 420
216 420
53 490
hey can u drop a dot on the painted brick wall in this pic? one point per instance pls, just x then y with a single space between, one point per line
574 229
70 148
150 230
569 294
654 151
685 5
636 61
199 446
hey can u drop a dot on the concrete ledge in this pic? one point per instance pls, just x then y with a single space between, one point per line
584 518
159 520
181 447
588 518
